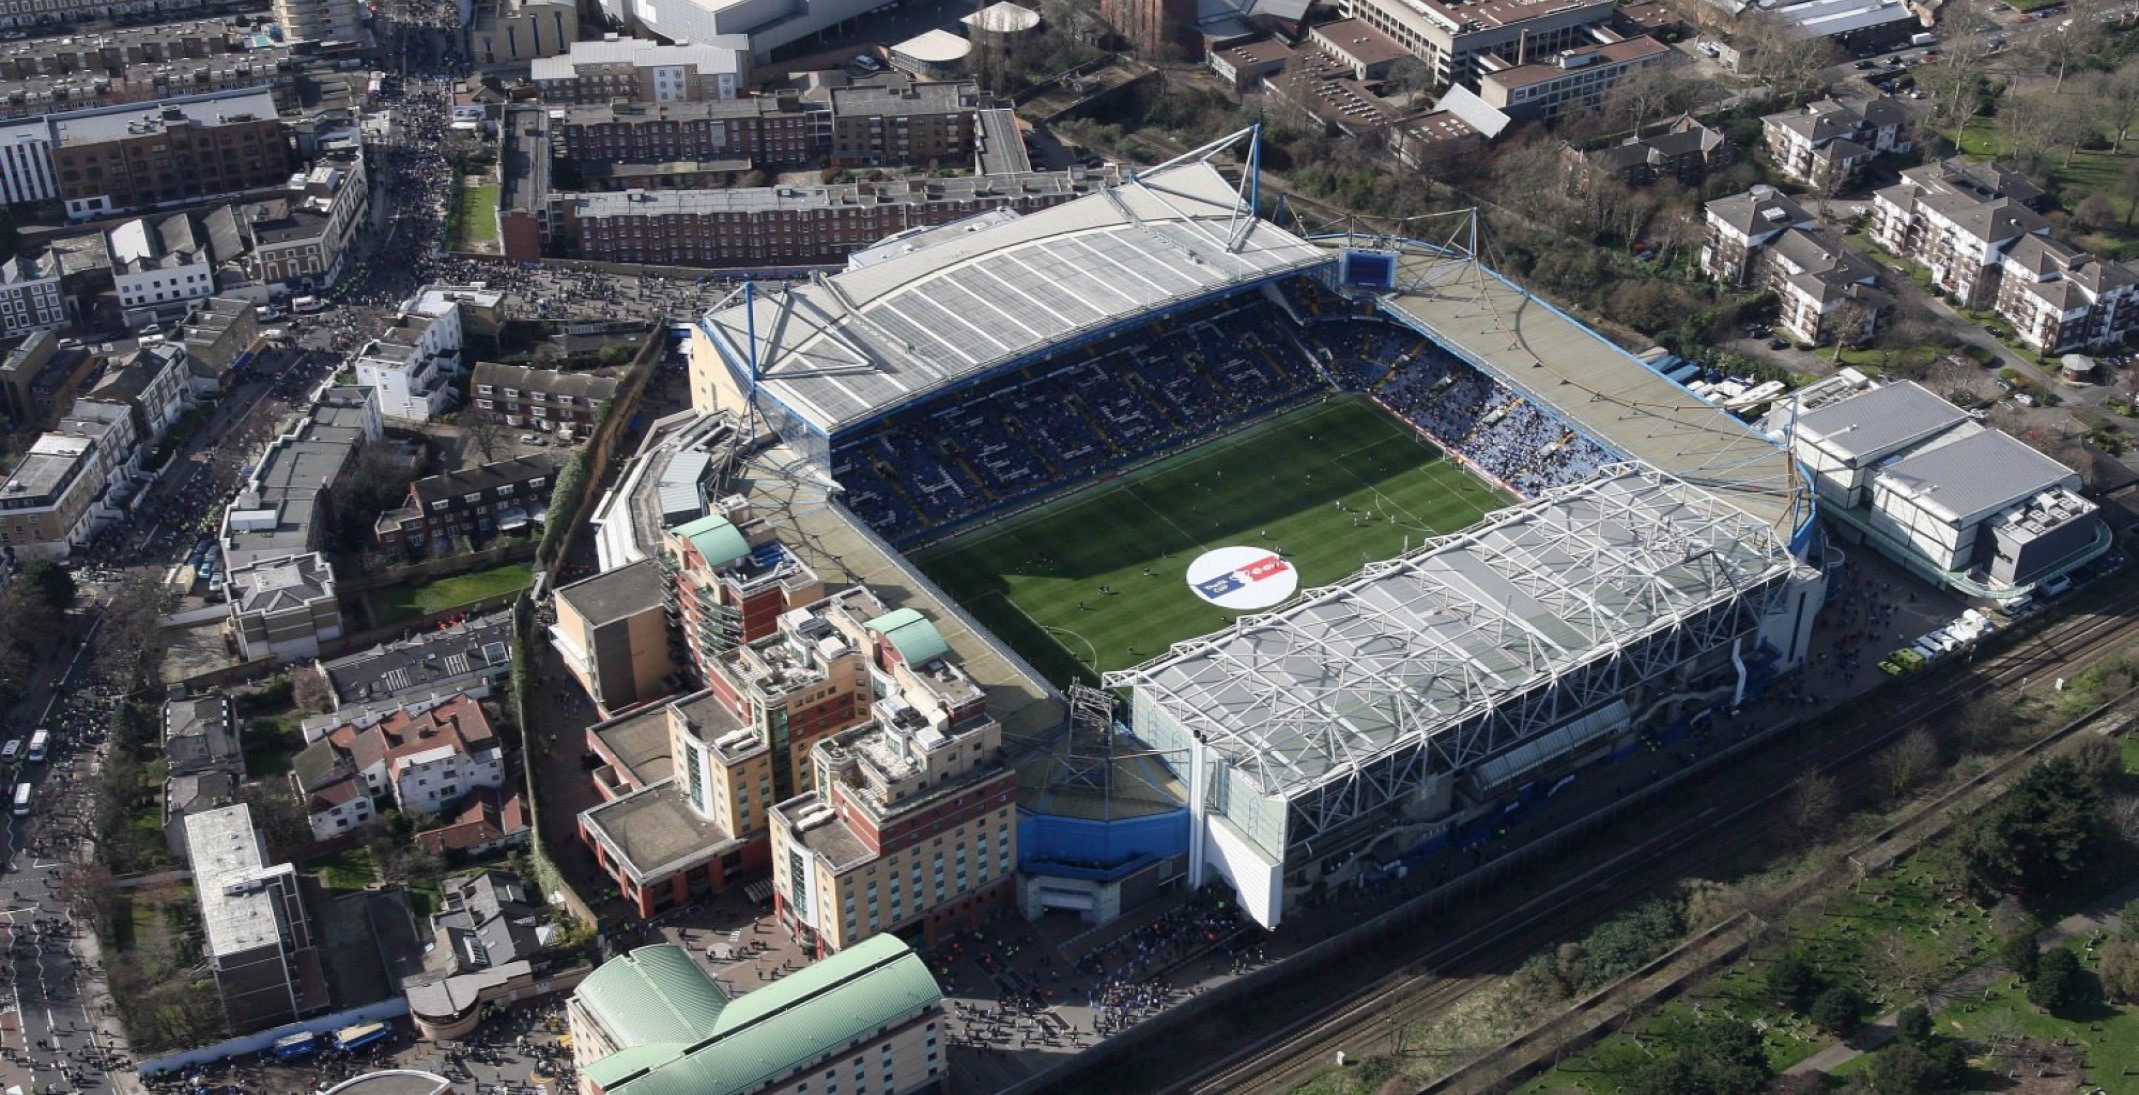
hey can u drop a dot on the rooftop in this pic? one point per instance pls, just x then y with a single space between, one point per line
1002 17
1413 648
113 123
526 378
1359 41
442 660
229 866
1574 62
640 743
278 585
1874 423
1975 474
843 350
616 594
654 833
767 1033
484 477
723 53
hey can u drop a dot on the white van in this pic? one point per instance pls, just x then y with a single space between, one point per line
306 304
10 751
22 800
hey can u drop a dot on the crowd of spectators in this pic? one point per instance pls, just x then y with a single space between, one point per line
1176 381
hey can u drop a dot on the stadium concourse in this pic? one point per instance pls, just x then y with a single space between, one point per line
1661 564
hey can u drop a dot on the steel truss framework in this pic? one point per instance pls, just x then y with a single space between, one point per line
1345 701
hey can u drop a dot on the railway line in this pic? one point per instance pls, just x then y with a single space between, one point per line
1710 826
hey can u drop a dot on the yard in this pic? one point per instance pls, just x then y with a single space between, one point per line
2096 171
349 869
475 216
396 603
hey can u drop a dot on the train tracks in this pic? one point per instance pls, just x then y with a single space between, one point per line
1694 837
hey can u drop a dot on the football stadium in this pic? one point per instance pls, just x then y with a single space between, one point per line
1367 546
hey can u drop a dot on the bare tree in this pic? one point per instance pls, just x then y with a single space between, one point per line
1905 763
486 429
1953 86
1650 95
2064 45
1793 66
1814 804
2115 99
309 690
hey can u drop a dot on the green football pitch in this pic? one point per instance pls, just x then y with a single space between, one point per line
1036 579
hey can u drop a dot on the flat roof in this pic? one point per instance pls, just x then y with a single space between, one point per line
1974 475
616 594
655 833
1582 377
227 858
640 743
841 350
1877 421
935 47
123 120
1608 53
1407 649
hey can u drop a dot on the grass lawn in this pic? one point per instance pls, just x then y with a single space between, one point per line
268 753
348 869
2107 1035
476 220
406 602
1035 579
2088 172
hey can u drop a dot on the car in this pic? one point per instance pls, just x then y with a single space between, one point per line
1866 64
1778 344
531 439
1990 330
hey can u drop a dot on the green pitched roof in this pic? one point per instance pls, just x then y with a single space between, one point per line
765 1034
911 633
716 538
655 1002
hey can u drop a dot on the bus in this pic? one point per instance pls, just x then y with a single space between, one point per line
22 800
289 1047
359 1036
39 742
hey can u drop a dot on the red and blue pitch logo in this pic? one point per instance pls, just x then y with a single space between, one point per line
1243 578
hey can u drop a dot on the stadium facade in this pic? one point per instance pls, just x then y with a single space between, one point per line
1670 574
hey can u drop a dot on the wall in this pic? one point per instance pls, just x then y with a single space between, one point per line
254 1043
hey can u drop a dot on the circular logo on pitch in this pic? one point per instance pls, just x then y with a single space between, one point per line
1242 578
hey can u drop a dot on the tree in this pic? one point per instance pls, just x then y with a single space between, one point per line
2039 838
1793 980
2118 967
2060 46
50 584
1792 65
2020 955
1717 1055
1837 1010
309 690
1927 1066
1814 803
1953 87
2128 922
280 818
1905 763
1650 95
486 430
1913 1024
2059 985
2099 759
130 642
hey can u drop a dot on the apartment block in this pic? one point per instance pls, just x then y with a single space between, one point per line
221 335
1686 152
1974 228
283 609
160 265
30 293
645 71
565 403
422 758
508 31
299 240
472 505
1827 144
256 936
413 363
154 383
730 582
615 636
908 824
776 225
68 487
1824 290
145 154
1574 79
1463 41
320 20
39 378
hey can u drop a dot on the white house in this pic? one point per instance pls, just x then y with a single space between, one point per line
413 364
160 265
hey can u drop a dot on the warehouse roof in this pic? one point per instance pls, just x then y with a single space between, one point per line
1870 425
1977 473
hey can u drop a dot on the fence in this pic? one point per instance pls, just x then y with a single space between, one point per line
246 1044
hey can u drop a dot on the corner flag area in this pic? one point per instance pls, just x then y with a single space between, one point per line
1098 580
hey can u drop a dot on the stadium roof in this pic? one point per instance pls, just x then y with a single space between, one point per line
844 349
1393 656
1585 379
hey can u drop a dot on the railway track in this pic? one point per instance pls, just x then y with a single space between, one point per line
1681 849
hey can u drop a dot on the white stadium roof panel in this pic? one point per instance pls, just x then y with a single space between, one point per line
1409 648
843 349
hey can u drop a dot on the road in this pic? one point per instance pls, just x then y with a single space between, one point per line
57 1029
